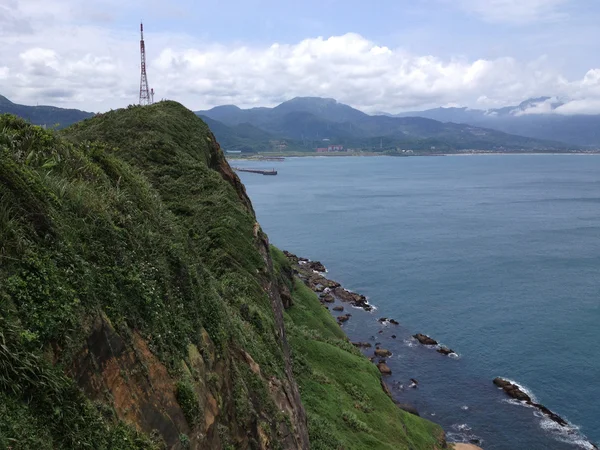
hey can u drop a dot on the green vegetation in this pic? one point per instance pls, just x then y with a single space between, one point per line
341 390
128 219
138 306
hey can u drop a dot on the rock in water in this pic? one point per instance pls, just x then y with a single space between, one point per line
445 351
384 369
424 339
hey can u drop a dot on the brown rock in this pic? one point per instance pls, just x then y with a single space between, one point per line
382 352
316 266
344 318
425 340
384 369
445 350
327 298
338 308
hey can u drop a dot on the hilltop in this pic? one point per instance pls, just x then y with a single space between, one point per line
143 307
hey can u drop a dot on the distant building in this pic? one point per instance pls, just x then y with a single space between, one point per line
331 148
279 145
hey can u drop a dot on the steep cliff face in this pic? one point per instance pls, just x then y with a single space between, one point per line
133 267
142 307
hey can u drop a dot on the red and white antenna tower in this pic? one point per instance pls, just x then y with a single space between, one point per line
145 98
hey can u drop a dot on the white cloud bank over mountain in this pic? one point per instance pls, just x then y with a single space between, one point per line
80 64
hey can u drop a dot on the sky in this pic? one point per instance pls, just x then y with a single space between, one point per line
379 56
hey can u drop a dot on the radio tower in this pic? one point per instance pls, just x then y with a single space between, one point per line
144 90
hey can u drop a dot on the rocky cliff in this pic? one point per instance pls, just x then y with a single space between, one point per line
139 303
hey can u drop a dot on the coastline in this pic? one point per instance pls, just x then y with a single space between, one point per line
331 293
257 156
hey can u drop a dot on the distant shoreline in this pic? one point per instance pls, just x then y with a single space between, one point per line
262 157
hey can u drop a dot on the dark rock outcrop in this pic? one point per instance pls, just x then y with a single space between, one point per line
358 300
514 391
382 352
445 350
344 318
424 339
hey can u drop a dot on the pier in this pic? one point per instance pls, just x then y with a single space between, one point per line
260 171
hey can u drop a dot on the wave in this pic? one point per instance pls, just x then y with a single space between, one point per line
462 433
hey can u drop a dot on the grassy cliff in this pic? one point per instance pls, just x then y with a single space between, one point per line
140 306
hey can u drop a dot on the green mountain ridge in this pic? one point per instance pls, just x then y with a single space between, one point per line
49 116
313 122
141 305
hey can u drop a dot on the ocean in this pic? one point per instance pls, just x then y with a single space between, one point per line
495 256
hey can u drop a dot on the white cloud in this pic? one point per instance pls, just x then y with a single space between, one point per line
65 62
515 11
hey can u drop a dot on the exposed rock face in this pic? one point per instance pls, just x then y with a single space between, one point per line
425 340
338 308
344 318
382 353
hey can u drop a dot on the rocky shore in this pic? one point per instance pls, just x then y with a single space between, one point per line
330 292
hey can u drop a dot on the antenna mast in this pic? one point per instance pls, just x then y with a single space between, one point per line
145 98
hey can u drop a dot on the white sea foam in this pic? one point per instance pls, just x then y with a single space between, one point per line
410 342
461 427
568 434
464 408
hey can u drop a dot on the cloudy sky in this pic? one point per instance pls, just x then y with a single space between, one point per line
384 55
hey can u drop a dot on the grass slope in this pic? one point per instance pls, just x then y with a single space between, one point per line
130 220
341 389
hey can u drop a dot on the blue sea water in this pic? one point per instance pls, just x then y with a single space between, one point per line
495 256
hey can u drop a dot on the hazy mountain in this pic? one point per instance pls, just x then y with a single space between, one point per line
44 115
244 136
310 121
582 130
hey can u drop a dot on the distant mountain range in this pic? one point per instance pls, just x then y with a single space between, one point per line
532 118
310 122
306 123
44 115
